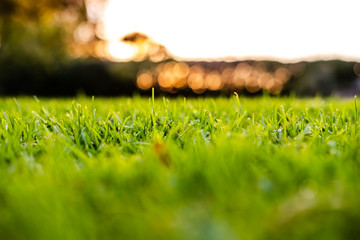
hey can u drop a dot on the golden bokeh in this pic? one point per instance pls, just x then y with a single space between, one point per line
166 80
243 70
227 75
173 76
196 81
145 80
181 70
213 81
282 75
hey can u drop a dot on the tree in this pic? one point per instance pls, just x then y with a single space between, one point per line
44 28
146 47
37 38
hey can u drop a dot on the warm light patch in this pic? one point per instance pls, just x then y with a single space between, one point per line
145 80
119 51
230 29
84 33
173 76
213 81
282 75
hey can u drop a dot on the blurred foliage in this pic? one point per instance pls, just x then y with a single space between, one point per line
33 42
326 78
35 36
38 30
44 51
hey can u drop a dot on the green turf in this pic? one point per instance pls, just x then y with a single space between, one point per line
224 168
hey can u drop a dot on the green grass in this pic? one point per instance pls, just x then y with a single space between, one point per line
138 168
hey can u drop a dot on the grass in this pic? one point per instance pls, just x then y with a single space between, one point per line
138 168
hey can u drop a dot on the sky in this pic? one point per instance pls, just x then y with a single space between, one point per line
283 30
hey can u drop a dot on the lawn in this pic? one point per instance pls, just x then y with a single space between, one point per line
207 168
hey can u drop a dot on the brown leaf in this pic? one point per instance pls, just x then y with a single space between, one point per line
162 154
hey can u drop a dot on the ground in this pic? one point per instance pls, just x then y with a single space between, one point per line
140 168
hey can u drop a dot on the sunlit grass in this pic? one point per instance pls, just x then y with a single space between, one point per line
139 168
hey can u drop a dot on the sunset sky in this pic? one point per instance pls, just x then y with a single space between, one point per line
258 29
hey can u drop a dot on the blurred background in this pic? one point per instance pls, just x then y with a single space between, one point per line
111 48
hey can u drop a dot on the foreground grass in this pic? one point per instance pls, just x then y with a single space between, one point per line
268 168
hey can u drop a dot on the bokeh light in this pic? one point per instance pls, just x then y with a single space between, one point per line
84 33
119 51
173 76
145 80
213 81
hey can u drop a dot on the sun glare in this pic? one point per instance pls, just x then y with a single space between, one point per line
259 29
120 51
